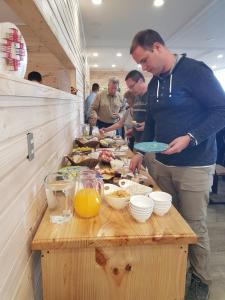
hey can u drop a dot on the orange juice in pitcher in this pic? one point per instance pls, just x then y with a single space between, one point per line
87 202
87 197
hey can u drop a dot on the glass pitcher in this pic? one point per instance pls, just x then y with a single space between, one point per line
88 194
85 129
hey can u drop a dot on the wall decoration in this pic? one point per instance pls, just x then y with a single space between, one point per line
13 51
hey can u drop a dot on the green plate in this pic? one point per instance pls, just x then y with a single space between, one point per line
70 171
151 147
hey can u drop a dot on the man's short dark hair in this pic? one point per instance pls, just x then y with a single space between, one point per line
95 87
135 75
145 39
35 76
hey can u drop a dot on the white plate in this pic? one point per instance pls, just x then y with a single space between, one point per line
134 188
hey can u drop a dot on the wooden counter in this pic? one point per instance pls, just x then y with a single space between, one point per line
112 257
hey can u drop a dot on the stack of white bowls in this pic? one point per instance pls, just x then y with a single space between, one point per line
162 202
141 207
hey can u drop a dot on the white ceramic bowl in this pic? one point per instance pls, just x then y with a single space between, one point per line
140 210
113 201
161 211
160 197
141 217
141 207
140 201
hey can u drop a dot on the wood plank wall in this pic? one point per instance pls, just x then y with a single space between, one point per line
53 117
57 24
64 19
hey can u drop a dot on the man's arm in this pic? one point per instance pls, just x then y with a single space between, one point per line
211 95
115 126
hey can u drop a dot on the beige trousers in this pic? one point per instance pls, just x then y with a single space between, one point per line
190 189
149 163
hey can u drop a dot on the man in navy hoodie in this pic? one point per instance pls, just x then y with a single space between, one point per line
186 107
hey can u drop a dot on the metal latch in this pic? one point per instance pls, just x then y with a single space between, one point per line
30 146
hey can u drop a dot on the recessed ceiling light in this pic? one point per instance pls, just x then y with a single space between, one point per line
97 2
220 56
213 67
95 54
158 3
119 54
113 66
95 66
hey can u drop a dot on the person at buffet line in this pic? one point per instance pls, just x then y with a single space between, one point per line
135 82
125 120
89 100
73 90
186 107
35 76
107 106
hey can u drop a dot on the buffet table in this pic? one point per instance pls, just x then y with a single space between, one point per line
112 256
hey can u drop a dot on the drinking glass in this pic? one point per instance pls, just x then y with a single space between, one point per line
85 129
95 131
59 191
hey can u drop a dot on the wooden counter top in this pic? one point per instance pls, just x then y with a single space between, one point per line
113 228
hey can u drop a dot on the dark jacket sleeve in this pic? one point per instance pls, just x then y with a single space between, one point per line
207 89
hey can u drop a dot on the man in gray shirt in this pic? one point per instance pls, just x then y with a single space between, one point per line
135 82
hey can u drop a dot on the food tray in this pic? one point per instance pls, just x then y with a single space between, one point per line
134 188
91 144
89 162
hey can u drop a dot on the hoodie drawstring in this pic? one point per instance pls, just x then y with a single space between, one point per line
157 93
170 88
171 82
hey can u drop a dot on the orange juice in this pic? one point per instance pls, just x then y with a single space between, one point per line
87 202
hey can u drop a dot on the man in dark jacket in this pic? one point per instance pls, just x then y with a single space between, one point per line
186 107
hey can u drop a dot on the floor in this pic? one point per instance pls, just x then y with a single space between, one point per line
216 226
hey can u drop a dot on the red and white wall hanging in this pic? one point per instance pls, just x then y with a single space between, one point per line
13 51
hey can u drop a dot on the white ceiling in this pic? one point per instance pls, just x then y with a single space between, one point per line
196 27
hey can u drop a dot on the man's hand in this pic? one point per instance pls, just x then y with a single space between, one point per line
178 145
136 162
116 116
129 133
102 131
92 120
140 126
